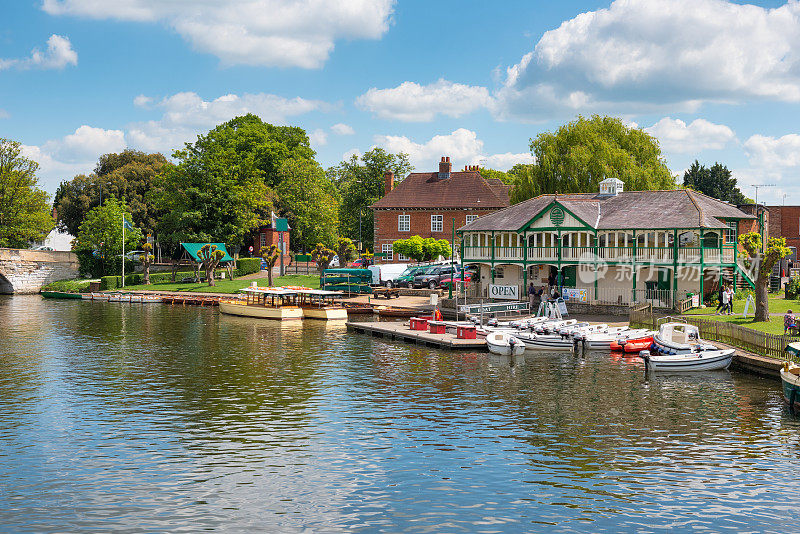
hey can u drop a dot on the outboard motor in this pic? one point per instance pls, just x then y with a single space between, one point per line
492 322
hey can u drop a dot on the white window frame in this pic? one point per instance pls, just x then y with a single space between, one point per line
730 232
263 241
437 221
386 248
400 257
404 223
471 218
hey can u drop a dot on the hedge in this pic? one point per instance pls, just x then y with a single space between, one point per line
246 266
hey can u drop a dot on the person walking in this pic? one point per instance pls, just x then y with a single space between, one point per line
724 300
720 304
730 299
531 291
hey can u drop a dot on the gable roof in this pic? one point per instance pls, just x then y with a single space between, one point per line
193 248
464 189
679 208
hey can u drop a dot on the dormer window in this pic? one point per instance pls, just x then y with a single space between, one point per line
611 187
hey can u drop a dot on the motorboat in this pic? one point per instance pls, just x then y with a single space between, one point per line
504 344
634 343
607 340
680 338
790 379
548 327
703 360
551 342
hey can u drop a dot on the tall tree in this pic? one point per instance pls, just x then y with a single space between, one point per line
506 177
310 201
584 152
760 262
24 208
361 183
215 193
98 242
715 182
270 257
129 176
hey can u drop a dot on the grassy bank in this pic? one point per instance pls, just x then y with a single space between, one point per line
230 286
68 286
777 305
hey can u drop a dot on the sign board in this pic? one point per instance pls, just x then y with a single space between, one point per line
562 307
303 257
493 308
695 301
503 292
150 238
576 295
747 305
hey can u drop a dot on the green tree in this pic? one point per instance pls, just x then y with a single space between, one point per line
419 249
584 152
760 262
309 199
210 256
131 176
270 257
24 209
345 249
715 182
215 192
361 183
322 256
98 242
505 177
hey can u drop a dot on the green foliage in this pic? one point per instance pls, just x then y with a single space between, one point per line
322 256
216 192
68 286
245 266
762 261
420 249
361 183
584 152
271 256
506 177
309 199
131 176
715 182
345 249
24 209
210 256
793 288
101 231
110 282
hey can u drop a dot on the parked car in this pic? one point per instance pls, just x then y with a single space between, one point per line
360 263
447 281
133 255
385 273
406 278
41 247
433 276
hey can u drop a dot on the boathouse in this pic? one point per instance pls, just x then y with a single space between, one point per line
613 246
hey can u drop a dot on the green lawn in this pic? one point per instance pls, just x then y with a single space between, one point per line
231 286
777 305
70 286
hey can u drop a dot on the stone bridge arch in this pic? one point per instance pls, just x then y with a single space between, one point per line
26 271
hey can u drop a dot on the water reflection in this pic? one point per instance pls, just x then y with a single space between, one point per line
120 417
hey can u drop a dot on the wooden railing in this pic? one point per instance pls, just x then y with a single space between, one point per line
686 255
685 305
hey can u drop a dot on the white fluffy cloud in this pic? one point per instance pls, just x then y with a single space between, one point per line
774 161
676 136
649 55
286 33
342 129
412 102
462 145
58 55
318 138
774 152
187 114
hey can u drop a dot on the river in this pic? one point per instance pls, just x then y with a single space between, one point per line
158 418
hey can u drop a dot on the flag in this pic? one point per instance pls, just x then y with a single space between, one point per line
125 223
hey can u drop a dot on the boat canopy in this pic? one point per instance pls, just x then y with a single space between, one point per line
193 248
793 348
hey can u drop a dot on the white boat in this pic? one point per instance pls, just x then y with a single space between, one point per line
545 342
504 344
704 360
679 338
602 339
551 326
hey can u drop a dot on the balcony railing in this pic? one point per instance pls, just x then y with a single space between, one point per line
686 255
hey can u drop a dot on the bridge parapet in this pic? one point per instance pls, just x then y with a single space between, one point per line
26 271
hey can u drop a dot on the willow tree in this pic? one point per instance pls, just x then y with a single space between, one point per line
760 262
582 153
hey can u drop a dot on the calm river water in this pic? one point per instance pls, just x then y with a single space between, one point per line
158 418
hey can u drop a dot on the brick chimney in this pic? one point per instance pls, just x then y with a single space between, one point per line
388 181
445 168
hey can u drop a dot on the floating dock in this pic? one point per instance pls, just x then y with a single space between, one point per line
401 331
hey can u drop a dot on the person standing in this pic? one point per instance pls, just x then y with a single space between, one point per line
720 293
724 300
531 291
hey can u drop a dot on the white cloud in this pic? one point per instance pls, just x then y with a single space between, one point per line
342 129
4 114
773 152
650 55
187 114
350 153
774 161
412 102
58 55
462 145
142 101
318 137
676 136
284 33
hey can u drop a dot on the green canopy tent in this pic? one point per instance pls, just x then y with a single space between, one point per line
188 254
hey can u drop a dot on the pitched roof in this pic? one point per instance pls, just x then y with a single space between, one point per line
464 189
679 208
193 248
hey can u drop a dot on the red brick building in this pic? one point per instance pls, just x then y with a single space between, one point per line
272 234
785 222
425 204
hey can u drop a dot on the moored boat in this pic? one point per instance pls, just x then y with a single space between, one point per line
60 295
704 360
790 379
679 338
321 304
545 342
504 344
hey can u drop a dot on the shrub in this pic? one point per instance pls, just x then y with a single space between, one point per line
246 266
793 288
110 282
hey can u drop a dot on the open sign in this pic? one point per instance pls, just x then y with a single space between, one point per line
503 292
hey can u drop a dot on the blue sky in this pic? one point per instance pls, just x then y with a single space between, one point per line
475 80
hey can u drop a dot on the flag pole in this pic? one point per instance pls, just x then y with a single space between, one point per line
123 249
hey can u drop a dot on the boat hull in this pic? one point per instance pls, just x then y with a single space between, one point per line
498 343
791 390
60 295
702 361
283 313
548 344
325 313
